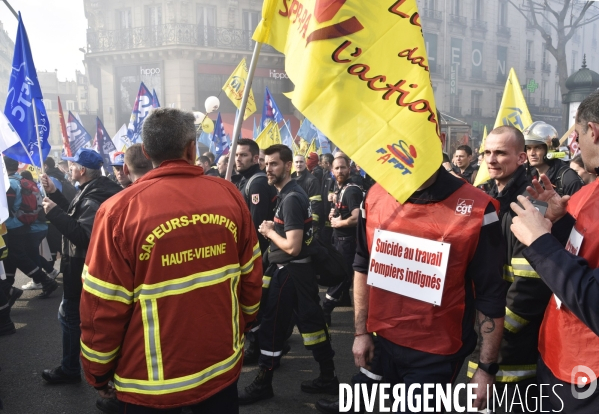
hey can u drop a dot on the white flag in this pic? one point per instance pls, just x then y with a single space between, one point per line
120 140
8 135
4 185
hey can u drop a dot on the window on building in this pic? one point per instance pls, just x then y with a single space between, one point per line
251 18
557 95
154 15
544 100
70 105
478 9
457 7
498 97
574 60
594 31
123 19
47 104
206 21
529 50
502 13
431 4
544 53
475 103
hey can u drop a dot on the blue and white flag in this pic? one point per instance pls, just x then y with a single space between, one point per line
23 88
325 143
78 135
204 138
105 144
219 138
286 137
256 131
155 101
307 130
270 111
141 109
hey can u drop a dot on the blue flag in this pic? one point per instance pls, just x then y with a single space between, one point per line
155 101
256 131
105 144
325 143
141 109
307 131
286 137
270 111
204 138
23 87
219 138
78 135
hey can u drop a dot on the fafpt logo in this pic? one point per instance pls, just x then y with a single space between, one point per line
581 377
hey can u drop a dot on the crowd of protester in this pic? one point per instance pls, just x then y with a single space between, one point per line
82 220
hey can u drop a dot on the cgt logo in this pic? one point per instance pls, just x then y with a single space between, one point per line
464 207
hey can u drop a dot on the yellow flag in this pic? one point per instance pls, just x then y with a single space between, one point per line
361 76
269 136
236 85
481 150
512 111
311 148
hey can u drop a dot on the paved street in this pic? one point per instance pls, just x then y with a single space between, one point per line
37 346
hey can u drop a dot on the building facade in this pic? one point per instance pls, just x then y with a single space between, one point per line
185 50
472 44
7 48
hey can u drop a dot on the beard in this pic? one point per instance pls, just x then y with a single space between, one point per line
276 179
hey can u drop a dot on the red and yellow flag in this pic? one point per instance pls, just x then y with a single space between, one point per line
361 75
63 131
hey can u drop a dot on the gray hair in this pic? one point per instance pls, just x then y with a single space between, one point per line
89 172
166 132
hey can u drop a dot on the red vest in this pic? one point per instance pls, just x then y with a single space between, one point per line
456 220
564 341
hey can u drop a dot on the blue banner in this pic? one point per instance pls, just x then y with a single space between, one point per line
270 110
23 88
105 144
155 101
286 137
219 138
78 136
141 109
307 131
325 143
256 131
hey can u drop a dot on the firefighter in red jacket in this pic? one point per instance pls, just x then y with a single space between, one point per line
171 281
422 342
569 335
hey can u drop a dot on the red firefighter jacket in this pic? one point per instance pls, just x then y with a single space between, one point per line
173 276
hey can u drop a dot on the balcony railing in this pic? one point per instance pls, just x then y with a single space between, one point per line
169 35
530 65
545 102
546 67
432 14
479 24
477 111
504 31
457 19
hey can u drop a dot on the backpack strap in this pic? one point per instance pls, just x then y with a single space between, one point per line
559 181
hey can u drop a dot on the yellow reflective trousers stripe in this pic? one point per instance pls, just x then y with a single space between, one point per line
97 356
513 322
266 281
508 373
315 198
508 273
522 268
313 338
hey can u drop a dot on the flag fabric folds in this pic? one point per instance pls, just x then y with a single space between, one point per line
325 144
235 86
255 131
311 148
155 101
141 109
66 147
285 132
512 111
269 136
23 88
104 143
8 135
121 140
361 75
78 136
270 110
307 130
219 138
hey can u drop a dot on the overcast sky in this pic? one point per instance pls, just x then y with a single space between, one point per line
56 30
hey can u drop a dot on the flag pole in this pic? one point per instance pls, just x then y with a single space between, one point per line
244 101
39 142
11 9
